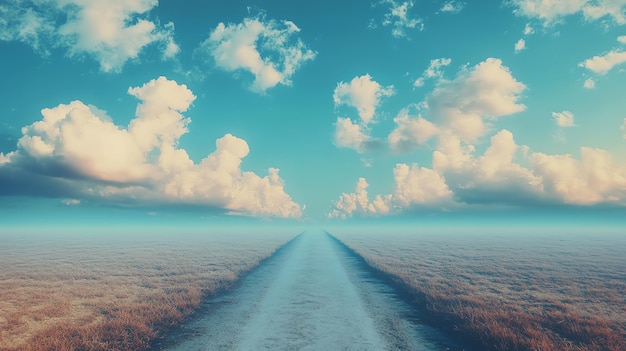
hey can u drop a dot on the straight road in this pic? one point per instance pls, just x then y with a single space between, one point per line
312 294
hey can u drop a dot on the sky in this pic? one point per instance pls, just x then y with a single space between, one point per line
141 110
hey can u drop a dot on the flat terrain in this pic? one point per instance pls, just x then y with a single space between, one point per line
505 290
312 295
114 291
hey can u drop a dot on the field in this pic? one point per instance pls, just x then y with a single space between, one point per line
112 291
505 291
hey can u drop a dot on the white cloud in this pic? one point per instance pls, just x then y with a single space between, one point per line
410 132
528 29
79 148
603 64
589 83
266 49
434 70
593 179
111 31
459 178
550 11
349 203
600 8
564 119
466 104
70 202
493 178
622 39
419 186
362 93
351 135
520 45
414 187
399 18
452 6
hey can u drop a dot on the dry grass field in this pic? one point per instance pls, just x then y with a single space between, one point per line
113 292
503 291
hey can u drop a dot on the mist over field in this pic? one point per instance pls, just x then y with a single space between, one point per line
350 287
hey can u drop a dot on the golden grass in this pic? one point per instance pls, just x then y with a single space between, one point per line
117 293
506 293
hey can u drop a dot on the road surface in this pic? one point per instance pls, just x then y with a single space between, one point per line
313 294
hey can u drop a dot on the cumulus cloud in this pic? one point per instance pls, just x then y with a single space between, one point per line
364 94
76 151
410 132
492 178
352 135
476 96
400 19
563 119
414 187
421 186
622 39
452 7
112 32
358 202
460 178
266 49
550 11
589 83
604 63
593 179
520 45
434 70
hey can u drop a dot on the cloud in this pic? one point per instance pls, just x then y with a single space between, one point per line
592 180
622 39
492 178
622 128
349 203
399 18
351 135
76 151
414 187
551 12
564 119
528 29
112 32
589 83
460 179
548 11
365 95
464 106
610 8
362 93
419 186
604 63
70 202
476 96
266 49
452 7
434 70
520 45
410 132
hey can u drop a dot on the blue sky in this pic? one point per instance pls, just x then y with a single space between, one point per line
137 110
